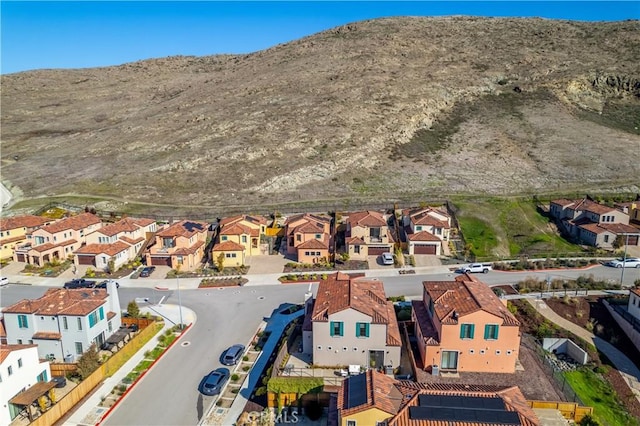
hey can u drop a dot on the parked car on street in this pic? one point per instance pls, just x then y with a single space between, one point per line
387 258
233 354
629 262
79 283
146 271
103 284
475 268
4 281
213 383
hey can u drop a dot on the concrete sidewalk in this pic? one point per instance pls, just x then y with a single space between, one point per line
628 370
90 412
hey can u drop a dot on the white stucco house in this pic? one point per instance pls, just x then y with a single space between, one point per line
20 369
64 323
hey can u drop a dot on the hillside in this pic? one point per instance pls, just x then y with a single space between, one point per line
389 108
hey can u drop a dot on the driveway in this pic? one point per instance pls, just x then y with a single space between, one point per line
375 262
266 264
427 260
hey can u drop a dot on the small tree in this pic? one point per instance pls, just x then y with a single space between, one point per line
220 262
52 396
88 362
111 266
133 309
42 403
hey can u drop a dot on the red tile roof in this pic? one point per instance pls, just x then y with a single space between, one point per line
423 236
593 207
5 350
258 220
428 220
46 335
184 228
366 219
309 228
58 301
48 246
81 221
340 291
313 244
614 228
131 241
425 323
355 241
126 224
184 251
635 291
27 221
465 295
564 202
12 239
228 246
381 394
235 229
108 249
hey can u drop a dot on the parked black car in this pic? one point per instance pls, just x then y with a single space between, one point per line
212 384
103 284
146 271
79 283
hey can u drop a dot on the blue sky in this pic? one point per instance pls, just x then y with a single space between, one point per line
54 34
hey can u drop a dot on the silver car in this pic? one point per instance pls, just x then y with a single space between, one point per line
387 259
629 262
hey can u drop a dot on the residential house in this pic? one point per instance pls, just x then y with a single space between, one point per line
427 230
64 323
58 240
367 234
309 237
243 231
592 223
20 369
462 326
119 242
350 322
15 230
634 302
373 398
180 245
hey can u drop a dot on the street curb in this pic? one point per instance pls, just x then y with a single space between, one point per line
584 268
126 392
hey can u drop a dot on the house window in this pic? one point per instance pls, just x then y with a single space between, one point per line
381 423
336 328
431 307
22 321
352 423
179 260
491 332
101 313
318 236
79 348
230 255
19 341
223 238
79 323
356 249
362 329
109 327
244 238
19 362
65 324
298 237
467 330
606 238
43 377
10 370
93 318
418 228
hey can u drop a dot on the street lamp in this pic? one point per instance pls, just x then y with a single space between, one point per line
179 301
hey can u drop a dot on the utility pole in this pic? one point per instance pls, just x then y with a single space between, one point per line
179 302
624 259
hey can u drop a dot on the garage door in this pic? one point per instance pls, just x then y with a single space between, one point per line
424 249
161 261
633 240
86 260
22 257
374 251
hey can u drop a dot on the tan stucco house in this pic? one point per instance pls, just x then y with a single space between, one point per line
58 240
179 245
367 234
121 242
427 229
462 326
242 230
14 231
308 237
350 322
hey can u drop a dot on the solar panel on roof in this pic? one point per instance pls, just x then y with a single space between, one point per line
476 402
356 390
471 415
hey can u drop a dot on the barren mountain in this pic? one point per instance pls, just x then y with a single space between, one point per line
388 108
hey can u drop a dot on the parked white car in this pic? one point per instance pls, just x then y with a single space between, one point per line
387 259
630 262
4 281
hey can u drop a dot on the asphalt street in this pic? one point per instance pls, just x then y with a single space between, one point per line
168 395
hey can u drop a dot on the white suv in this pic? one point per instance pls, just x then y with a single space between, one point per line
4 281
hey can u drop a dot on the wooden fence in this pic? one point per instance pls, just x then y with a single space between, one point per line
107 369
569 410
62 369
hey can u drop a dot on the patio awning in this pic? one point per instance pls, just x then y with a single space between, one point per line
27 397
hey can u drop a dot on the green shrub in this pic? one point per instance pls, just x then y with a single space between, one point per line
234 377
